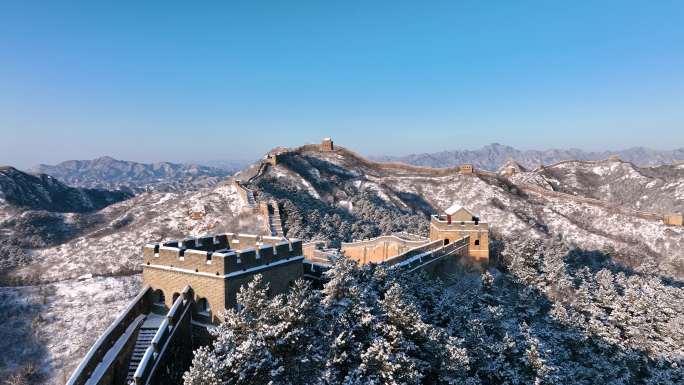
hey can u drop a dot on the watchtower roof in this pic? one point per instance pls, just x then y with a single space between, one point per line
453 209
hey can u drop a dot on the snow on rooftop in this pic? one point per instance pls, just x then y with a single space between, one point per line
456 208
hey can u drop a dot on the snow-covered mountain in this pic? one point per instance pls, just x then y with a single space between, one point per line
110 173
494 155
333 195
44 192
656 189
341 196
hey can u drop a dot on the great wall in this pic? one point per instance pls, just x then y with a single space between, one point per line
189 283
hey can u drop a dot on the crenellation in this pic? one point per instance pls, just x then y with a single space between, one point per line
296 248
247 258
188 243
205 243
221 242
282 250
266 254
150 250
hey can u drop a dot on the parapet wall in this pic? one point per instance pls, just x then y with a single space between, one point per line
442 261
221 254
170 352
425 248
126 319
379 249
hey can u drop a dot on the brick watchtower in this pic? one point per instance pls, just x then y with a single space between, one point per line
458 222
327 144
216 266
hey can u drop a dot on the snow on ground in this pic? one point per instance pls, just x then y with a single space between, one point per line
116 247
54 325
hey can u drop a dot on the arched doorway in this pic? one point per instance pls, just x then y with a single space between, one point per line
158 297
159 302
203 306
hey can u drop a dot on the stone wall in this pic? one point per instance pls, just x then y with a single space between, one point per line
279 278
436 258
171 282
216 275
478 234
673 219
123 325
379 249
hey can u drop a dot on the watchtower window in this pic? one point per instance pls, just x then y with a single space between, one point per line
446 241
477 242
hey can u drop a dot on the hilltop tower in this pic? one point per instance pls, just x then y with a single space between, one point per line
673 219
327 144
457 222
466 168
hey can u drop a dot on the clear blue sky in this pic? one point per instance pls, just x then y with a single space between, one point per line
169 80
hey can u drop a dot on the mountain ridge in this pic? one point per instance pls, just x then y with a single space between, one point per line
44 192
492 156
110 173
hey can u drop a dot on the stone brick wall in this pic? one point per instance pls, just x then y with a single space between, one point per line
478 233
216 275
378 249
172 282
279 279
673 219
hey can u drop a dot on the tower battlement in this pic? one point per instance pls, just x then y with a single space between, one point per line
221 254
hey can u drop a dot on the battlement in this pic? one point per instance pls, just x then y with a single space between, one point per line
221 254
442 221
458 222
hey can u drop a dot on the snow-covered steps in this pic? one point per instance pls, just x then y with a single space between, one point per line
147 331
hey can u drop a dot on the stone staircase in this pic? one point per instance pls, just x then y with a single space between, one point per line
275 223
145 335
251 202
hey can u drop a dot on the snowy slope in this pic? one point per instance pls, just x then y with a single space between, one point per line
337 178
114 246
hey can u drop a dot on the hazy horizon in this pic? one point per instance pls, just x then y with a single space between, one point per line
213 162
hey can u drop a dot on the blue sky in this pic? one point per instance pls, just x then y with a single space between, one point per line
228 80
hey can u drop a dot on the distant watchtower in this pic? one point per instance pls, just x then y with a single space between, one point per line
458 222
673 219
466 168
327 144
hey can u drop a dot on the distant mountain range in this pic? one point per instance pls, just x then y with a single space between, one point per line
44 192
494 155
110 173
